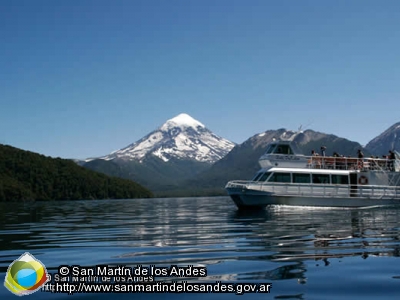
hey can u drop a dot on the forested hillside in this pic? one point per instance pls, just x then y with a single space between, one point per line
26 175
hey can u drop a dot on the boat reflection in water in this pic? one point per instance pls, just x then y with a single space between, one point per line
304 236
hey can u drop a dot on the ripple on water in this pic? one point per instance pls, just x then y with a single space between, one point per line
303 251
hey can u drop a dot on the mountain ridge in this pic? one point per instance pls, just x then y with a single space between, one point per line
170 177
387 140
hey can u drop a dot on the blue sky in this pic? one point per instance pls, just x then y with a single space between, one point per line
83 78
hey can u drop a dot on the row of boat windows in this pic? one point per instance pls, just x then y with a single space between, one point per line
302 178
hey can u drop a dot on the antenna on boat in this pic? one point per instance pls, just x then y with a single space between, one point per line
395 136
300 128
309 123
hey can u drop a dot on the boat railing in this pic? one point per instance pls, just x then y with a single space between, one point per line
319 190
353 163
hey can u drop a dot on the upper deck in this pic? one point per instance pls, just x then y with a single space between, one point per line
286 154
352 163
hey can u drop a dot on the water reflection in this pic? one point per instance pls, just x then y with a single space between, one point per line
309 233
277 243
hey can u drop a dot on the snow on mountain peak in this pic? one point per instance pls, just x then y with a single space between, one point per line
181 137
182 120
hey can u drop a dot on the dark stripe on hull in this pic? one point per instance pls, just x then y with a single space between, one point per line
262 199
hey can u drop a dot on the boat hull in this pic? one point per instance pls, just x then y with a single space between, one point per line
253 198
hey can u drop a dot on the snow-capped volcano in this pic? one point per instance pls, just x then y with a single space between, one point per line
181 137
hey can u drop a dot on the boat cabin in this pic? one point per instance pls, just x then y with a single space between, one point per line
283 147
283 154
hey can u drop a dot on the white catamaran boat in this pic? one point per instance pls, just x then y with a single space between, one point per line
288 177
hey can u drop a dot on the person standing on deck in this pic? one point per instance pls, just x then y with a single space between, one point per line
323 148
391 157
360 156
315 161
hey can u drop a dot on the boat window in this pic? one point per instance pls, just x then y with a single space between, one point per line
265 176
271 148
280 177
257 176
301 178
320 178
283 149
340 179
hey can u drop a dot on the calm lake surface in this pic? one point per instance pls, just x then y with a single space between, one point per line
305 253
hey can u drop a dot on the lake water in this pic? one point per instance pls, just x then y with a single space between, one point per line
305 253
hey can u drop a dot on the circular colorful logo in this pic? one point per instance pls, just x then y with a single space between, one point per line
25 275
